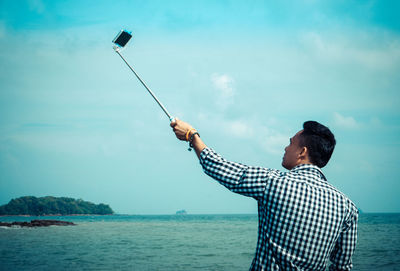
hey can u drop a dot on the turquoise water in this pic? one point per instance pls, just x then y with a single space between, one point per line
190 242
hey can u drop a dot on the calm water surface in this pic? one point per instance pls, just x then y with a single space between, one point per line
190 242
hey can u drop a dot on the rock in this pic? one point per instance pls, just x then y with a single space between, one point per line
181 212
38 223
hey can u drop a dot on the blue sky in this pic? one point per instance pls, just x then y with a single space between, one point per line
75 122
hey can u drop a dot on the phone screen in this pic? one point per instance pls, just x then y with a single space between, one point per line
122 39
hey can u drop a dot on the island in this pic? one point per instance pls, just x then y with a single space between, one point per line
43 206
181 212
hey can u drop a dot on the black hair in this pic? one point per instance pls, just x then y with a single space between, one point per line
319 141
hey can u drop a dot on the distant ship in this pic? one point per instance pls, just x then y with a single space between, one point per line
181 212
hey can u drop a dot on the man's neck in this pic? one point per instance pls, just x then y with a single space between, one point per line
303 162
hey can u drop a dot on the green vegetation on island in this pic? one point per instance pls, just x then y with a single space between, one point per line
30 205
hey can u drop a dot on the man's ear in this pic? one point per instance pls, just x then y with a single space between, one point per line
303 153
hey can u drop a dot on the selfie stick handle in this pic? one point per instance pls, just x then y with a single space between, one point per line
148 89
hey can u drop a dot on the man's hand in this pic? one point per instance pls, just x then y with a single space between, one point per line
184 131
181 129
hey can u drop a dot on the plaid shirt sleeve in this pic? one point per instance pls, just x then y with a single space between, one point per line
345 244
241 179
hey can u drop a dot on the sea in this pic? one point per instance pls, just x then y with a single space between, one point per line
169 242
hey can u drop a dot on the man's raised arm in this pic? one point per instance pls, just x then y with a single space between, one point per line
241 179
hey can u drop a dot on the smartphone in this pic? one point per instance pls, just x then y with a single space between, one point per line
122 38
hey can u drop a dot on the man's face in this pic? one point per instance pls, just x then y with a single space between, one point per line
292 151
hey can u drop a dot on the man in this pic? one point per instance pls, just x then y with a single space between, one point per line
303 220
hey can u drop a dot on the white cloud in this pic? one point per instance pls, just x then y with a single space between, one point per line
224 84
270 140
355 48
345 122
240 129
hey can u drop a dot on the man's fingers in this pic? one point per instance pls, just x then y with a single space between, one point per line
180 128
174 122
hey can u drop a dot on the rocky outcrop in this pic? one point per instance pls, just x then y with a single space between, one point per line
181 212
38 223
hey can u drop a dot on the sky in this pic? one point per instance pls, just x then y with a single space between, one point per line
75 122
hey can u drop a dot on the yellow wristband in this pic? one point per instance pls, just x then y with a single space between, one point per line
188 132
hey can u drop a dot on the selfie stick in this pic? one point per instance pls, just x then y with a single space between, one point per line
123 34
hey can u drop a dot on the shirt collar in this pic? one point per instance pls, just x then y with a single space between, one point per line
310 168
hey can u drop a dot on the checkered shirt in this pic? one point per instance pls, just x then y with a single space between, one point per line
302 219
